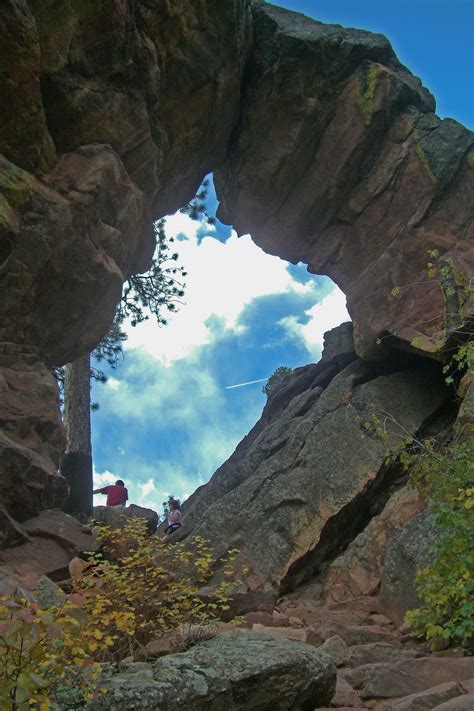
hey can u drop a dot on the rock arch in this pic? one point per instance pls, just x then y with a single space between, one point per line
325 148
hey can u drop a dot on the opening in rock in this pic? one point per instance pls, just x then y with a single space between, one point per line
188 392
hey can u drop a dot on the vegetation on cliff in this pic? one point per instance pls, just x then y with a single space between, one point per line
446 587
138 589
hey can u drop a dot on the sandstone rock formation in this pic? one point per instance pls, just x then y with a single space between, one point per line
289 499
358 571
405 554
338 161
50 541
326 149
235 671
115 518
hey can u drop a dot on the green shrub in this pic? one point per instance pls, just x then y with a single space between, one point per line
275 379
446 587
140 590
44 657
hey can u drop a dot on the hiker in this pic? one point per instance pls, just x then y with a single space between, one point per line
174 519
117 494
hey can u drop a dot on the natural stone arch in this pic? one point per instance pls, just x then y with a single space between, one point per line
326 150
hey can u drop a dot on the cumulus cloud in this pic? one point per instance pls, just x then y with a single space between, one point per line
222 279
166 420
322 317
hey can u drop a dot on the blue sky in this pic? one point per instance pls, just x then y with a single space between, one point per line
166 420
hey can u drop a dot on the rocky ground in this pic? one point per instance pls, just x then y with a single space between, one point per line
300 656
380 665
327 645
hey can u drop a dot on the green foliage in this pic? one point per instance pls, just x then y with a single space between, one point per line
446 587
157 291
366 95
462 360
148 589
45 661
140 590
275 379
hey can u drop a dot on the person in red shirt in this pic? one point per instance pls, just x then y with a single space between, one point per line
117 494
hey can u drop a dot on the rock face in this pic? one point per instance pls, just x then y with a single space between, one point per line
358 571
51 540
405 555
235 671
327 150
339 162
115 518
288 499
115 113
31 436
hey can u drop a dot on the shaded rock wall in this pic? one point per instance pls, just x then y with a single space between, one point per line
115 112
327 150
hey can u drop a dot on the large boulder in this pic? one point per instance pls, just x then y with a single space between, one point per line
116 518
410 676
236 671
289 498
53 539
405 555
358 571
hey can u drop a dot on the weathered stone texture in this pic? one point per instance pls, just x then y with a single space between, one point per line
357 572
411 550
238 671
288 498
338 162
328 153
31 437
54 538
112 114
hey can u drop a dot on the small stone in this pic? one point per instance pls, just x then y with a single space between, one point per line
295 622
337 649
380 620
297 635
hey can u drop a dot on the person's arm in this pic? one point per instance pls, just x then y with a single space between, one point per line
126 494
100 491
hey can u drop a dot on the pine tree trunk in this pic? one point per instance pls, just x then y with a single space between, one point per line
76 463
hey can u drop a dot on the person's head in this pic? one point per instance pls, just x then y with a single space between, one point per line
174 505
119 482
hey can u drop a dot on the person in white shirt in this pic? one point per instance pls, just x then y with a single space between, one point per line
174 519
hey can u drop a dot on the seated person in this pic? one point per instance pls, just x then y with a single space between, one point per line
174 519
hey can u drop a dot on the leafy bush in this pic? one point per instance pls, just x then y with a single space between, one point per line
147 588
44 658
446 587
275 380
140 590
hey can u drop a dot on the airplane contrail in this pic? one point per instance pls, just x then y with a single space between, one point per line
241 385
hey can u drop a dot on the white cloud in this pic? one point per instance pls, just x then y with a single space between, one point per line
147 487
169 411
327 314
113 383
222 279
